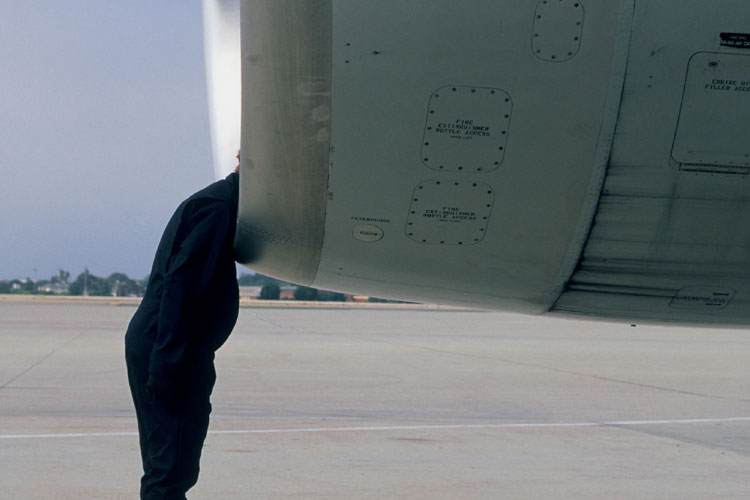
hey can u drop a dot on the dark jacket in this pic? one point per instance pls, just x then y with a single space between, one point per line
192 300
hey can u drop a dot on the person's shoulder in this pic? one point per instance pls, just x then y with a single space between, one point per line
201 207
220 190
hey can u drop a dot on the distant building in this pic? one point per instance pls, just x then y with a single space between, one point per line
250 292
286 292
56 288
253 292
24 284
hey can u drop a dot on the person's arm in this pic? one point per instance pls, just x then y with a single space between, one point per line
188 275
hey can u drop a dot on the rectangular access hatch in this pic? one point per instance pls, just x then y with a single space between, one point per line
713 131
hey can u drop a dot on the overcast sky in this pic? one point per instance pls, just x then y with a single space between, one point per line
104 130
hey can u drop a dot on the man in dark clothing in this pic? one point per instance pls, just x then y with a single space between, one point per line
188 311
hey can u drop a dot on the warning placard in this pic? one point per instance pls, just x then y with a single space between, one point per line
735 40
722 85
467 129
463 129
712 129
450 212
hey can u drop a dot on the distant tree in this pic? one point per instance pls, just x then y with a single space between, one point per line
62 277
22 286
257 279
88 283
78 286
326 296
305 293
28 286
389 301
143 284
270 291
121 286
5 287
246 279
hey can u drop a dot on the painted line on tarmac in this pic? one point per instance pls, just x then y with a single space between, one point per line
549 425
68 435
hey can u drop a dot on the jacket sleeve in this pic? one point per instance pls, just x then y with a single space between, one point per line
189 271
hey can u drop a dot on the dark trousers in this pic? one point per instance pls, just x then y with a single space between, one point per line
171 437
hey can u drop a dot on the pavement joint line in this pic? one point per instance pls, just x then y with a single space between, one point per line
42 359
527 425
274 323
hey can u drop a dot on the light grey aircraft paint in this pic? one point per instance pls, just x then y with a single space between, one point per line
542 156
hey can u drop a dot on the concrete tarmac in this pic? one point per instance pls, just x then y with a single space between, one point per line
389 404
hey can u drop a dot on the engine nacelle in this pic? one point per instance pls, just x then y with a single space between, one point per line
540 156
